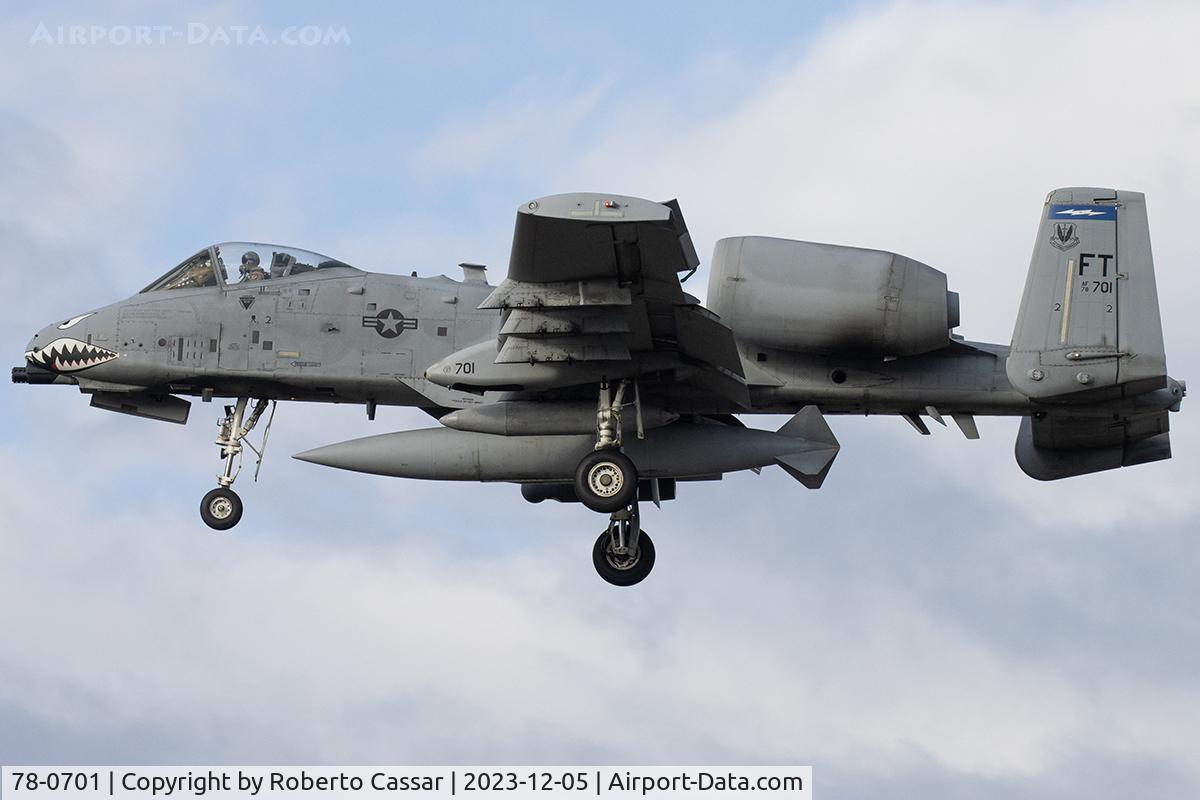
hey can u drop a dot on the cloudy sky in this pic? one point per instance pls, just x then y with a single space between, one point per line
931 622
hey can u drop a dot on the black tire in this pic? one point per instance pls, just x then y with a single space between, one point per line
221 509
611 567
606 481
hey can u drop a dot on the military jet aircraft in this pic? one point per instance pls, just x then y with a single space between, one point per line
590 375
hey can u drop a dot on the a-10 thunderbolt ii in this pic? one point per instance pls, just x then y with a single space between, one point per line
589 374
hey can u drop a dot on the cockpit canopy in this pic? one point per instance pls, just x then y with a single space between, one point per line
237 262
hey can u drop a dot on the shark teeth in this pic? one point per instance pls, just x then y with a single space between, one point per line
69 355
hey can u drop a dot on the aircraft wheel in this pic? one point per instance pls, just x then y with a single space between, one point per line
619 569
221 509
606 481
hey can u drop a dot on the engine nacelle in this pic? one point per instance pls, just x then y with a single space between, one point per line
825 298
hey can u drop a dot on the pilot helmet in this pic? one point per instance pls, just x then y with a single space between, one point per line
250 262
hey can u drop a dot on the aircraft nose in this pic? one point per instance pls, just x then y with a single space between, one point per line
37 343
36 370
66 346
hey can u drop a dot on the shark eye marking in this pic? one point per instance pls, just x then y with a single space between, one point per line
73 321
69 355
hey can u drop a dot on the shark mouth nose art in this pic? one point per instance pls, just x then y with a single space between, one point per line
69 355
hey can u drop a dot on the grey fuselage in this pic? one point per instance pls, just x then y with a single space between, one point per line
347 336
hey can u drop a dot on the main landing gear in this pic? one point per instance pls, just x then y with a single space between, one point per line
606 480
221 508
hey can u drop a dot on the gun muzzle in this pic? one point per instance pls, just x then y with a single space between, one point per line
32 374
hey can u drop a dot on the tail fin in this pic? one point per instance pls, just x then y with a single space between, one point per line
1089 318
1088 340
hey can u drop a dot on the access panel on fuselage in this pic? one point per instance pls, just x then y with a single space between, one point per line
248 329
387 327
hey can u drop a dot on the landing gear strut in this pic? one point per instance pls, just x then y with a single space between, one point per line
606 480
624 553
221 508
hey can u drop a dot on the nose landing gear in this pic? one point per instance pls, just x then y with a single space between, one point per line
221 508
624 553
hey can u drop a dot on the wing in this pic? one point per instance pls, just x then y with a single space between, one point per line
593 292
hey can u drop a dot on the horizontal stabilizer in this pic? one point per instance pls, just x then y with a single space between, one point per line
1053 448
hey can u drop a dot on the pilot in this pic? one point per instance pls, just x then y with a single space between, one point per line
251 269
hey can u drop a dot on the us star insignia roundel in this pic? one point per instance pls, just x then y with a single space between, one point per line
389 323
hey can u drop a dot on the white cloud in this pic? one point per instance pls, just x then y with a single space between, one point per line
405 649
936 130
